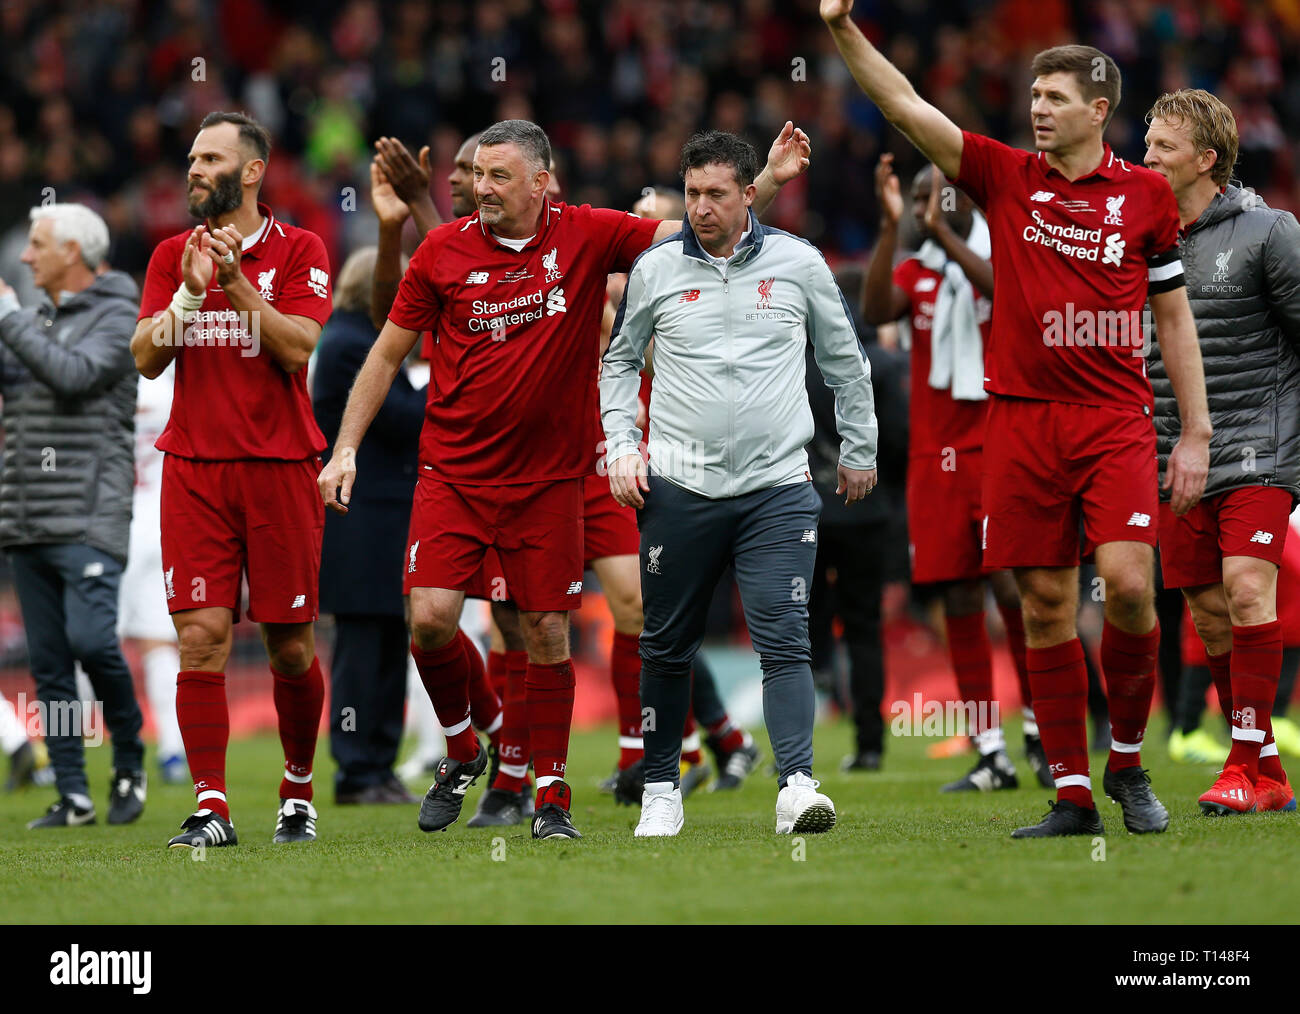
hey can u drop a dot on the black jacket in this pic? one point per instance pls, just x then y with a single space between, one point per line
69 385
364 550
889 384
1242 263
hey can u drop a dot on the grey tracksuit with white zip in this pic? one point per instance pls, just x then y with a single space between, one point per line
729 483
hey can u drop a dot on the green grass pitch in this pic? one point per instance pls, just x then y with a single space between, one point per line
901 853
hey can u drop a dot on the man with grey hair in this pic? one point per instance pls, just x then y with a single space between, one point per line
513 294
65 495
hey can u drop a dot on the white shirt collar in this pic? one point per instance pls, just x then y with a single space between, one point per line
251 241
514 244
722 262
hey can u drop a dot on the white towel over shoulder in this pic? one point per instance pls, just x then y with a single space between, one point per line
956 347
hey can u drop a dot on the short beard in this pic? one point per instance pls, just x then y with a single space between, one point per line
224 198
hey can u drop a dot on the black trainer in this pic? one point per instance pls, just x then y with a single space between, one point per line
552 818
735 766
1131 788
296 822
1036 755
863 760
442 803
497 808
1064 818
609 784
125 796
22 763
204 829
993 771
631 784
63 813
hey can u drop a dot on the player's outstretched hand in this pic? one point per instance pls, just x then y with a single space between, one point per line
196 265
888 190
855 483
1185 475
336 479
410 179
789 154
834 10
627 480
389 208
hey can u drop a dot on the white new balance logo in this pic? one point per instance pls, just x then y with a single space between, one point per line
477 277
318 281
299 601
1263 538
1140 520
575 587
1042 196
809 535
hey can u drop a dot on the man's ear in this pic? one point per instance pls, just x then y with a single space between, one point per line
254 171
751 192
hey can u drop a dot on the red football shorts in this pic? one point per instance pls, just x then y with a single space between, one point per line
535 528
1251 521
222 518
1049 465
945 515
609 527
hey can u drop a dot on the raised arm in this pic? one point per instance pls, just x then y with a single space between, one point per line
938 138
882 300
973 266
1189 462
392 213
369 390
410 181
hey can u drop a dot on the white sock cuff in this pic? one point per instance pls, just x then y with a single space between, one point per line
297 779
514 770
691 742
1068 781
210 794
1268 750
457 729
496 722
1119 747
1248 735
631 743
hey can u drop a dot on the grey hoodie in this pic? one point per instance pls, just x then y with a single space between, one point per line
729 413
69 385
1242 264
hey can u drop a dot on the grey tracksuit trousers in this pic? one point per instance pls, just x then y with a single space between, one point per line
769 537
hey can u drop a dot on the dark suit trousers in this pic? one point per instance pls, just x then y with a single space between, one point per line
367 696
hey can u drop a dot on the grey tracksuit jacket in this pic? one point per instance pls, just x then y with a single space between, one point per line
69 385
729 414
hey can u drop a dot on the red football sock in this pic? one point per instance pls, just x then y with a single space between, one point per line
1014 621
498 673
1256 666
625 668
1128 664
550 713
1221 673
728 734
512 775
691 740
972 662
298 703
1059 681
205 729
484 704
445 674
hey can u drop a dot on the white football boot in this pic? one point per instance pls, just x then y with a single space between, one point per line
661 811
801 809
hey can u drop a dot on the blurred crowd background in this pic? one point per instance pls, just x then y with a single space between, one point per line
99 101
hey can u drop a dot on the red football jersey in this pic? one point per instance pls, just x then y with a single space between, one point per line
936 419
512 388
232 399
1073 263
